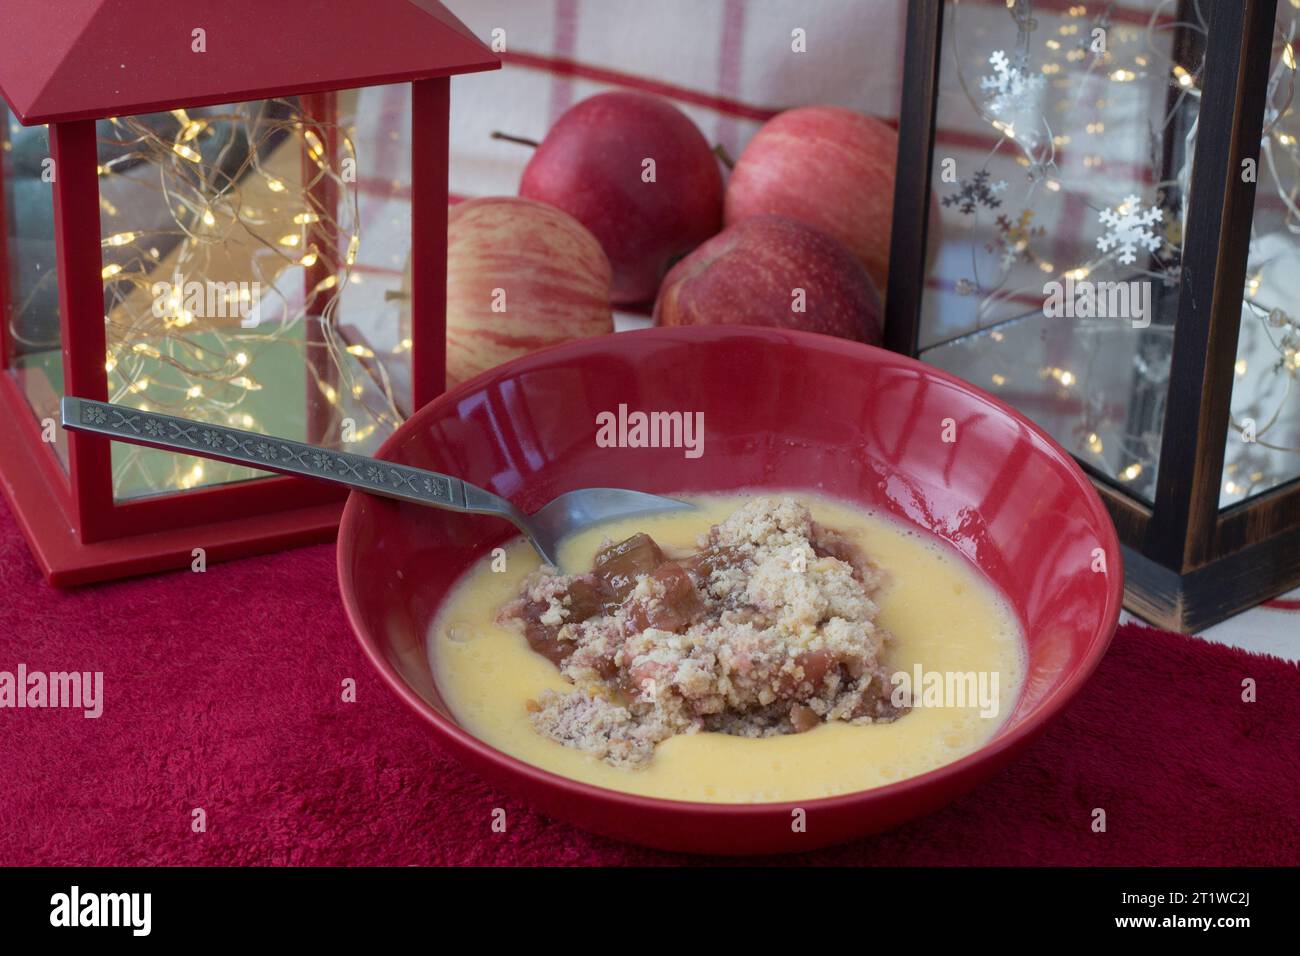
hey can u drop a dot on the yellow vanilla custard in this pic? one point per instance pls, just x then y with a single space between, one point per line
951 632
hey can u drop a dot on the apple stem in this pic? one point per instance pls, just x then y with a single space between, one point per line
521 140
720 151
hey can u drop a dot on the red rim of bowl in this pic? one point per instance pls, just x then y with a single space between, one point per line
1035 721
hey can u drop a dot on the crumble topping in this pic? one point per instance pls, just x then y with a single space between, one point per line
768 629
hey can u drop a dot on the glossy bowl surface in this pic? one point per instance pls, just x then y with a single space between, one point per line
782 410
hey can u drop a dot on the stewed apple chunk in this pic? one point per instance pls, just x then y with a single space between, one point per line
672 603
619 565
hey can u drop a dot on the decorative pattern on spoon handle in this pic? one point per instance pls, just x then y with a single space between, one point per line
263 451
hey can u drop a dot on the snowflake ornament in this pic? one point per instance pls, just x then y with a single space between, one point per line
1128 227
1012 90
976 191
1014 238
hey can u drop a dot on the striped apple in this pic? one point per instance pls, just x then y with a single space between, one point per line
521 275
825 166
773 271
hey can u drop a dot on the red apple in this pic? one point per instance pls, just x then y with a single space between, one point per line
826 166
762 271
638 173
520 275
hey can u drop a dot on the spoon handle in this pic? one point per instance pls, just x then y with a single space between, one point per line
279 455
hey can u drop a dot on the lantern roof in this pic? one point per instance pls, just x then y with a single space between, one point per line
89 59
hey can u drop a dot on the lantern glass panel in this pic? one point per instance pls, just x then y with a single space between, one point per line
1061 162
31 282
255 263
1263 447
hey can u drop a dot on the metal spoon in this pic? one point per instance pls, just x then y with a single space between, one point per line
570 512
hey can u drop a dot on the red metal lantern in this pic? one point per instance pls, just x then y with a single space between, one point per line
210 211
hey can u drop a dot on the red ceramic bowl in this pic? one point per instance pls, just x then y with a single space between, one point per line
783 410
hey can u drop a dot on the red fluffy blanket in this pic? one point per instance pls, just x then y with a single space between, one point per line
222 693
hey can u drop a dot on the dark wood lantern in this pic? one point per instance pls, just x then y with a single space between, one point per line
1096 220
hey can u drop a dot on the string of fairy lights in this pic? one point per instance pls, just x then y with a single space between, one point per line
235 237
1266 302
1078 57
